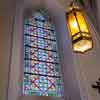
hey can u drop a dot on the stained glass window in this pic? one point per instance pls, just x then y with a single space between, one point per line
42 74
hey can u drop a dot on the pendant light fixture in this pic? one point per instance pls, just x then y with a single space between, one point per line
78 29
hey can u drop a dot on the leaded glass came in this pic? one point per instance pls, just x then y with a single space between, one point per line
42 76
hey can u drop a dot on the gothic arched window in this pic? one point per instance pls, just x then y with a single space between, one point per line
42 75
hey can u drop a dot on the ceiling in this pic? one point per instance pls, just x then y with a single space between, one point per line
6 5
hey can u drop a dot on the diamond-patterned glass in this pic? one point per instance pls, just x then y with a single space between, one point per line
42 75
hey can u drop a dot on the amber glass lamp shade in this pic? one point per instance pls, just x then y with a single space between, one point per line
79 32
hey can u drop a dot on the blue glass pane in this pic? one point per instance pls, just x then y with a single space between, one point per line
48 25
40 43
39 24
38 15
30 30
44 68
30 21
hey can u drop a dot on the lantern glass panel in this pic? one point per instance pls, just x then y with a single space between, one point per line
82 45
81 22
84 34
73 25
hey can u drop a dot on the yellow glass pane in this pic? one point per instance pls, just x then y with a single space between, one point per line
73 24
76 36
86 35
81 21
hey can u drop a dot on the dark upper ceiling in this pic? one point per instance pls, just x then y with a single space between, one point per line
8 5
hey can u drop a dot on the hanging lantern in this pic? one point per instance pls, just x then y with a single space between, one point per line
81 37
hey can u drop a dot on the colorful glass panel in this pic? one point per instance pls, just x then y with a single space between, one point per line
42 74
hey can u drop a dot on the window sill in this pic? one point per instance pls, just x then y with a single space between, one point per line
40 98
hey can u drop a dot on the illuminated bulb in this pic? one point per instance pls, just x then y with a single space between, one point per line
74 24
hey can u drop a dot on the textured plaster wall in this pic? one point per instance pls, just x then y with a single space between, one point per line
88 64
5 37
67 62
88 71
71 86
6 13
79 70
